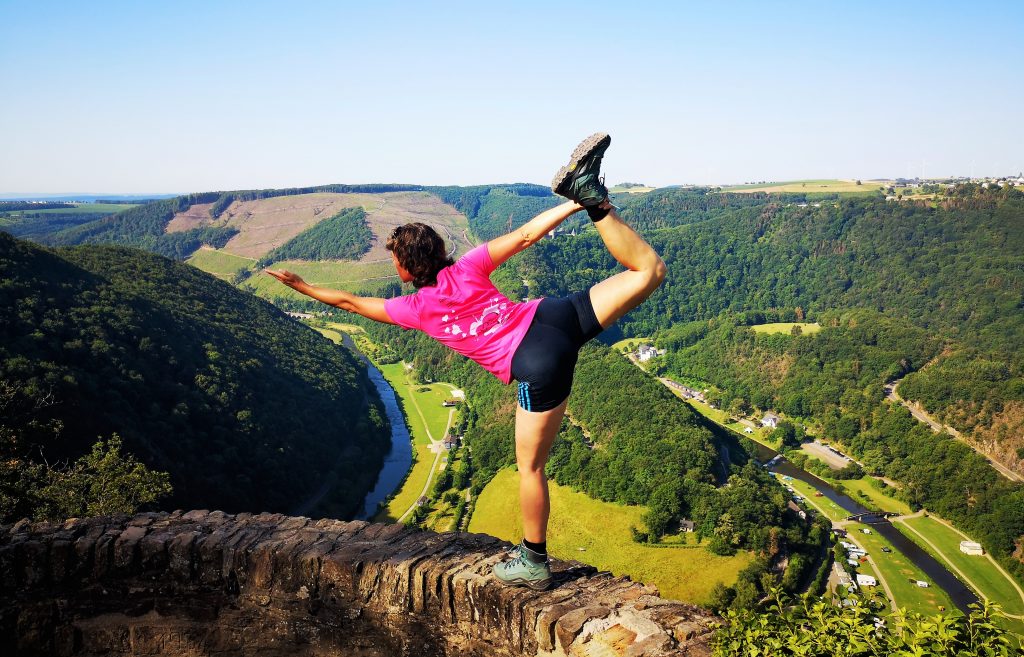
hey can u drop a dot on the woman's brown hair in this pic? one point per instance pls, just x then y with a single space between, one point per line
421 251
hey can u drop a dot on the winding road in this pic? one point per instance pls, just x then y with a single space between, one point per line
922 415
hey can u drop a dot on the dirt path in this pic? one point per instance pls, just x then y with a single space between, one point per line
892 394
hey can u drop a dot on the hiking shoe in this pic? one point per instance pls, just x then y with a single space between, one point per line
579 180
521 571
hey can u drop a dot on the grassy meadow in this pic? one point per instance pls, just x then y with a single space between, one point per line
340 275
863 491
219 263
786 327
985 577
826 186
602 530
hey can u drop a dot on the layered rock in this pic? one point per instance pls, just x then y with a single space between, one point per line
210 583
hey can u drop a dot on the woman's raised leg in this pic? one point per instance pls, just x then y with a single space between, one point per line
535 433
615 296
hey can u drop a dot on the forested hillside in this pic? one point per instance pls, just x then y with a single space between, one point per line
954 268
247 409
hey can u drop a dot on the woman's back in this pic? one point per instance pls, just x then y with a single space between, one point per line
467 313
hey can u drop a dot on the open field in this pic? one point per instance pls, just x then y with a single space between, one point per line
827 186
630 190
602 530
786 327
266 224
219 263
877 498
337 274
196 216
630 343
984 575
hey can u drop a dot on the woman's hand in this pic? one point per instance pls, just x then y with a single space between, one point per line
293 281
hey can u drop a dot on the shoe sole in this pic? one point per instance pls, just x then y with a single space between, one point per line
586 147
539 585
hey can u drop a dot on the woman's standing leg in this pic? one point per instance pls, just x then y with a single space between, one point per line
535 433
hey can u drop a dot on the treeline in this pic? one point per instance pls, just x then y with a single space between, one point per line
671 206
225 199
246 409
344 236
491 208
978 393
12 206
143 227
38 226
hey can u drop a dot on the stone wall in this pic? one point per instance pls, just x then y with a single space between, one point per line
209 583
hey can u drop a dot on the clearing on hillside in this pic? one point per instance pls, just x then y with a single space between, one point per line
806 328
826 186
195 216
267 223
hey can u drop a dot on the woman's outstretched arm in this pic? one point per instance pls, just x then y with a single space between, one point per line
504 247
369 307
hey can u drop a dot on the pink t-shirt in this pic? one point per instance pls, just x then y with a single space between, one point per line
467 313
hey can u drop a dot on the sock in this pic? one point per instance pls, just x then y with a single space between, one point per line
597 214
537 548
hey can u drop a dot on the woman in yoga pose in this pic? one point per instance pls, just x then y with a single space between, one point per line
534 342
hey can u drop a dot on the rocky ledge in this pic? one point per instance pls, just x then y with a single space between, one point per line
211 583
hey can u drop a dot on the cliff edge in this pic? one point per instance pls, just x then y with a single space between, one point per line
210 583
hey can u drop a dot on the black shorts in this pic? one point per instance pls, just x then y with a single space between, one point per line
544 361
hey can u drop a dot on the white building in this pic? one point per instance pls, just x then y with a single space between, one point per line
971 547
866 580
647 352
921 583
770 420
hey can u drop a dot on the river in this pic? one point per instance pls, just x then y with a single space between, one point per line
958 592
399 458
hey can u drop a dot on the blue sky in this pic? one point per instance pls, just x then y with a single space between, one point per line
147 97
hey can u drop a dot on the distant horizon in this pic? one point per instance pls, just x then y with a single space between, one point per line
33 196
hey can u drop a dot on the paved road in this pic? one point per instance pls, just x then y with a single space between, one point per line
922 415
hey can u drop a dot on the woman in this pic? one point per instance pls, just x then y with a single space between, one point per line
535 342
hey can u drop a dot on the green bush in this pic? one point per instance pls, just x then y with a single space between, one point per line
846 625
